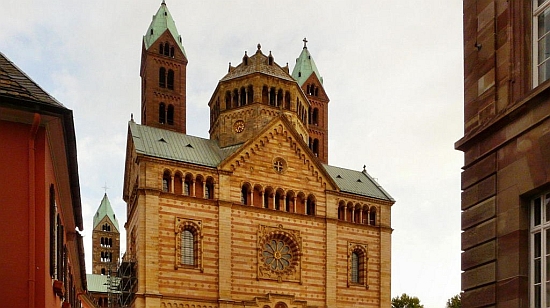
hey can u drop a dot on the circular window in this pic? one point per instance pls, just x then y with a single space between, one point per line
279 165
277 255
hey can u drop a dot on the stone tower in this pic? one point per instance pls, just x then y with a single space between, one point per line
307 75
105 239
251 95
163 74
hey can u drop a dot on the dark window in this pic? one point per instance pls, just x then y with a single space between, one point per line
170 115
166 49
52 230
161 48
162 77
162 113
171 79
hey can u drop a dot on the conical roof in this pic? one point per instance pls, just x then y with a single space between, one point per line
105 209
305 66
162 21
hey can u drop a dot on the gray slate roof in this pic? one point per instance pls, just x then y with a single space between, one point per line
14 83
175 146
357 182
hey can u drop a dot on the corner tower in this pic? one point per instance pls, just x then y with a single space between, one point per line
163 74
307 75
105 239
252 94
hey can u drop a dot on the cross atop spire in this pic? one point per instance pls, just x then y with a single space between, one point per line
106 187
305 43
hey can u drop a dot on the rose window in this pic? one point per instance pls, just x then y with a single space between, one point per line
277 255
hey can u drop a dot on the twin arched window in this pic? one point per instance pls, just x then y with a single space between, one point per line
166 115
166 78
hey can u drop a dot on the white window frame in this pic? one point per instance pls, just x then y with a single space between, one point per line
537 11
543 228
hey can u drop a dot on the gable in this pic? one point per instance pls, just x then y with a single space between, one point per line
278 153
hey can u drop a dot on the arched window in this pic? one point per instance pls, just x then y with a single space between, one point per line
287 101
162 77
178 185
315 116
310 208
268 196
354 267
162 113
166 181
209 192
187 185
103 271
102 242
316 147
245 194
199 186
279 196
265 95
272 97
358 264
161 48
170 115
372 217
166 49
227 100
172 51
170 80
279 98
187 248
250 94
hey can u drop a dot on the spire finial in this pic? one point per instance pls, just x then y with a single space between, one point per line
364 168
305 43
163 3
259 46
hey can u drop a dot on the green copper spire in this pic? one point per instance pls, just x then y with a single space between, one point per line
162 21
105 209
305 66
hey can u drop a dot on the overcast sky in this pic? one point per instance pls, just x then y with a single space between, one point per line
392 70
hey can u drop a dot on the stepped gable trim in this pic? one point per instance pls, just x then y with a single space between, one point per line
280 126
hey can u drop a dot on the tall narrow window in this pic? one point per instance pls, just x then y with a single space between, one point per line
162 77
161 48
162 113
166 181
166 49
170 83
354 267
540 251
187 248
172 51
541 41
170 115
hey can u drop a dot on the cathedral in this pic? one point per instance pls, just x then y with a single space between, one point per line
254 216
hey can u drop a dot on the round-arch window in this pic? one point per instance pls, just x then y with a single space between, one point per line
277 254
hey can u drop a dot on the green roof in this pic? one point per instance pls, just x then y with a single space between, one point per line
162 21
98 283
305 66
357 182
176 146
165 144
105 209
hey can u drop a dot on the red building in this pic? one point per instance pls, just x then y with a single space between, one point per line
506 145
40 246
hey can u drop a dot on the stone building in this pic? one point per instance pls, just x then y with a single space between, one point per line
40 244
102 282
253 216
506 145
